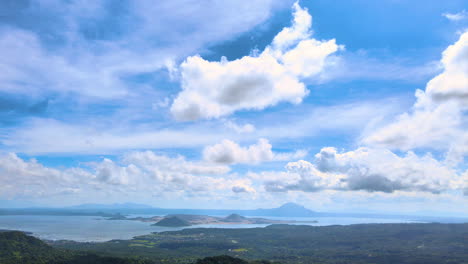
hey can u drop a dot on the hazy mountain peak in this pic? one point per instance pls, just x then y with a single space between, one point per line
291 205
172 221
112 206
292 209
234 218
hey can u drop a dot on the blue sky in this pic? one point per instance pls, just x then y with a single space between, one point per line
349 106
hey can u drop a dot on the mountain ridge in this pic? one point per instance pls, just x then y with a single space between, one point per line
285 210
288 209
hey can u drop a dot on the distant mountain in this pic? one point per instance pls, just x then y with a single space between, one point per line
293 209
111 206
112 210
286 210
172 221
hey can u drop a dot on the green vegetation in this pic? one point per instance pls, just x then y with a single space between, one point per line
16 247
286 244
372 243
172 221
19 248
234 218
224 259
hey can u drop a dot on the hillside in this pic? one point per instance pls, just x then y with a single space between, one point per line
234 218
294 244
18 248
172 221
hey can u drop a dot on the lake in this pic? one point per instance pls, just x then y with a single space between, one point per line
98 229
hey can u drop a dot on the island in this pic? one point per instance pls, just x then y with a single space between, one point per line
181 220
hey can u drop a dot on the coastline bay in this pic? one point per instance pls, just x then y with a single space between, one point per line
99 229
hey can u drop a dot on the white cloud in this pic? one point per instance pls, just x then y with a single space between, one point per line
104 135
243 189
137 172
456 16
299 30
109 172
432 128
245 128
229 152
439 119
452 84
93 50
54 136
24 72
314 121
215 89
372 170
149 161
32 179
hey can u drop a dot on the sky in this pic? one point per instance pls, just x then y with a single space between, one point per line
340 106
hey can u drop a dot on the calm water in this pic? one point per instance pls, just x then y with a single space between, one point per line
92 228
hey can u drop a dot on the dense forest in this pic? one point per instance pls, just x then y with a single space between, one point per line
370 243
18 247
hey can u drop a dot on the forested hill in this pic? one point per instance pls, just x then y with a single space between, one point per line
19 248
295 244
286 244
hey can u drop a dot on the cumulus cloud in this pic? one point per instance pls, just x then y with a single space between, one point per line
452 84
463 15
149 161
300 29
243 189
109 172
29 178
439 117
214 89
229 152
438 121
136 172
372 170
